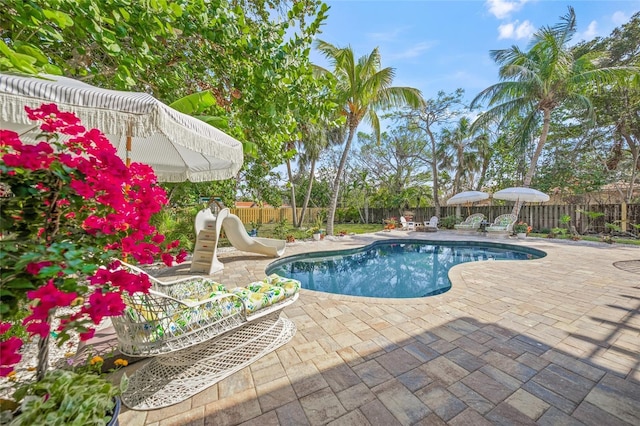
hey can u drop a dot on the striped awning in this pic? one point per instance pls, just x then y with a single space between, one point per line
177 146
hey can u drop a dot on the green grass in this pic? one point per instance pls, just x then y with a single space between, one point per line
270 231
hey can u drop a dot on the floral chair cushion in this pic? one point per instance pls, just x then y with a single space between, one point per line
183 311
502 223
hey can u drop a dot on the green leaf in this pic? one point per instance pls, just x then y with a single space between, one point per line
125 14
176 9
52 69
218 122
113 48
22 283
60 18
194 103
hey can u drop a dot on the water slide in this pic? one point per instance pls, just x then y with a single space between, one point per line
208 227
237 236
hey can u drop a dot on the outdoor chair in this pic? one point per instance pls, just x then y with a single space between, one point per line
432 224
502 225
199 333
407 225
472 222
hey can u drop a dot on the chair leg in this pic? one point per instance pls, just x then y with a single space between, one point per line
175 377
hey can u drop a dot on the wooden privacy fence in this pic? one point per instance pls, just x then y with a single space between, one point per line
273 215
538 216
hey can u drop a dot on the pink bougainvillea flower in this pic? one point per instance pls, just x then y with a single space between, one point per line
129 282
104 305
49 294
181 256
34 268
40 328
4 327
9 355
87 335
9 138
92 204
167 259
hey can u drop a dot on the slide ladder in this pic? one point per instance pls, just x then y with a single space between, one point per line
208 226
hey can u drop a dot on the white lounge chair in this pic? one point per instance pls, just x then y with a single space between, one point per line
472 222
199 333
407 225
432 224
502 225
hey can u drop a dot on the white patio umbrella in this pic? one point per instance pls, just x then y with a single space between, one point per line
177 146
518 193
466 197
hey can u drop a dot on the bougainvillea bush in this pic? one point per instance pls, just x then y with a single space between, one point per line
69 207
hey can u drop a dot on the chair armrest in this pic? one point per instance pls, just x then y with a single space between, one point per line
198 288
154 280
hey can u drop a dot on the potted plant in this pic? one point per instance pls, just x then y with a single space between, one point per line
314 231
521 229
71 206
80 397
390 224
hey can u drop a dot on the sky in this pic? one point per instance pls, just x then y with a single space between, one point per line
444 45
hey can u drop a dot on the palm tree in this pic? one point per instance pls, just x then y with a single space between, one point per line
458 142
547 76
314 142
362 87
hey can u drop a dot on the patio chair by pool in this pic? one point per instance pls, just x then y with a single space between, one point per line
472 222
199 333
432 224
503 224
407 225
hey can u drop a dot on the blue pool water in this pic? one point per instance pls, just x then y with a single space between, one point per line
393 269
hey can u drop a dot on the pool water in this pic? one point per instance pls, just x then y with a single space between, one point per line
393 269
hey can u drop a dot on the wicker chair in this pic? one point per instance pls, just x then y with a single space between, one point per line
503 224
472 222
199 333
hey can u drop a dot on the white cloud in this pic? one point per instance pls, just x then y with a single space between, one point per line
505 31
386 36
503 8
515 31
525 30
591 32
415 50
619 18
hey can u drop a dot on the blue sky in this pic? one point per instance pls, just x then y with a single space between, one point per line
443 45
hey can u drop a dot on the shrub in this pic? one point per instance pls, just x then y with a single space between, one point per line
449 221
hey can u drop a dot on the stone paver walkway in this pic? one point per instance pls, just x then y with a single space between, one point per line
549 341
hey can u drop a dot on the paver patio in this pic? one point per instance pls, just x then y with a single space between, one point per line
548 341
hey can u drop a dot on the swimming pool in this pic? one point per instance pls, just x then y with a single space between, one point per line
392 268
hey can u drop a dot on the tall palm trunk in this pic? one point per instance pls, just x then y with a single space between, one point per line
459 170
293 193
307 196
434 172
336 182
546 122
483 172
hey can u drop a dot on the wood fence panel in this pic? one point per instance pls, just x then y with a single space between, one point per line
539 216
